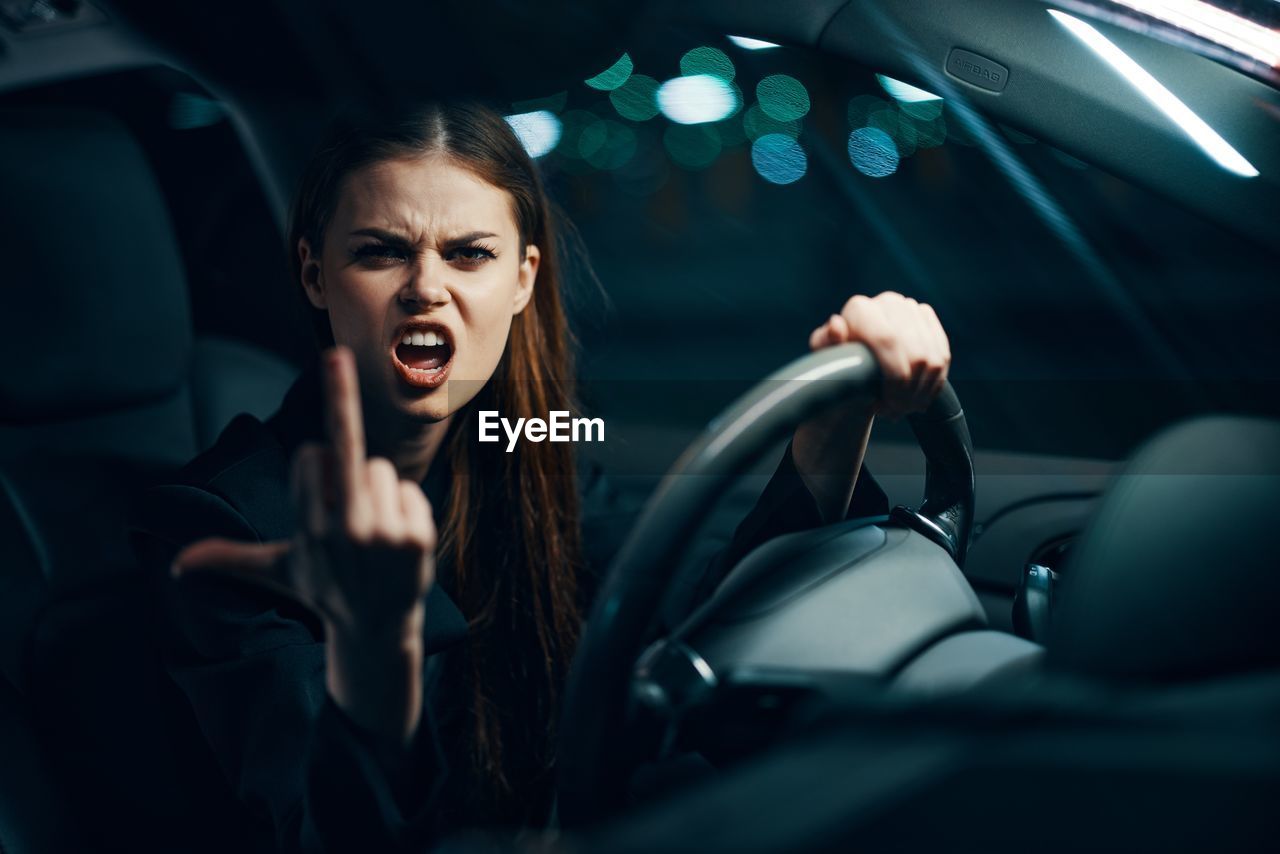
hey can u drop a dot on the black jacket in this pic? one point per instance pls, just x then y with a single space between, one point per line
252 668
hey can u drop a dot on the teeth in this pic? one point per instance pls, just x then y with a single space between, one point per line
423 339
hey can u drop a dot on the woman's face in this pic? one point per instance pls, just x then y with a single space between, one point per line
421 273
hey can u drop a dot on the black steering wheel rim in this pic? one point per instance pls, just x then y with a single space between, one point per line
592 769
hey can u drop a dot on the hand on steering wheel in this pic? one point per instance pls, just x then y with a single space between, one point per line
907 340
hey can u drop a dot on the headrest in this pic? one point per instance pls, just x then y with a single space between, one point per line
96 315
1176 577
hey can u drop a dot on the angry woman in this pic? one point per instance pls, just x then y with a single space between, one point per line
392 669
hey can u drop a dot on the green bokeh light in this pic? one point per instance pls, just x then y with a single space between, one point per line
861 108
782 97
692 146
607 144
574 123
901 129
637 99
757 123
707 60
923 110
613 76
931 133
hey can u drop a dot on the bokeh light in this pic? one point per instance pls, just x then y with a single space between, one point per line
782 97
913 101
707 60
692 146
607 144
861 108
539 131
751 44
931 133
696 99
573 123
778 158
613 76
873 152
637 99
757 123
900 128
905 91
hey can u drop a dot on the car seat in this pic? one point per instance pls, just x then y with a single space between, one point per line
105 389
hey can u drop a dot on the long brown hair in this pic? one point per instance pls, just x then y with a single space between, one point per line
510 548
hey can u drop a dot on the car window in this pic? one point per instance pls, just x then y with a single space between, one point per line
719 244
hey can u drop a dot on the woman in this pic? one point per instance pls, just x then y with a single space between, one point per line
395 669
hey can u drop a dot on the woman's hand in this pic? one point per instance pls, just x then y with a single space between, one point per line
363 559
907 340
914 357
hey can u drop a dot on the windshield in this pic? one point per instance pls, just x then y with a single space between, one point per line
731 192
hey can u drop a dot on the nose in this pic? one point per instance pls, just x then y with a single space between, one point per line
425 287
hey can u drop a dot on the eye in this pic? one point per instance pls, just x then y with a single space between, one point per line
379 253
474 254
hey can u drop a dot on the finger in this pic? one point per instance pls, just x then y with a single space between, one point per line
419 523
309 489
384 499
345 422
839 329
818 338
924 356
939 333
262 564
939 349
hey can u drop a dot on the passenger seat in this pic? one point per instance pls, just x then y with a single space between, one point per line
104 390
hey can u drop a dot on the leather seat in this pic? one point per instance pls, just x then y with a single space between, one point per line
1175 577
105 390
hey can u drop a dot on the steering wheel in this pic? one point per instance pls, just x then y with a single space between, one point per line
593 770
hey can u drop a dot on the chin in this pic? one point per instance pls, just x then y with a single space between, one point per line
429 408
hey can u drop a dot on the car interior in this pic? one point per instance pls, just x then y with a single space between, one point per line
1063 635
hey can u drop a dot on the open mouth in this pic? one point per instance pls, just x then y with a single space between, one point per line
423 356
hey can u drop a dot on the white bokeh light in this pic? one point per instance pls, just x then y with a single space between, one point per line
696 99
538 131
751 44
905 91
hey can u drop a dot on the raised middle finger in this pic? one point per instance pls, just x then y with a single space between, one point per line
345 425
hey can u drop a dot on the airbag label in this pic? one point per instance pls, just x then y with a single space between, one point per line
980 71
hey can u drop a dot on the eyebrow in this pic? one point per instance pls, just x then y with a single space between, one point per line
399 240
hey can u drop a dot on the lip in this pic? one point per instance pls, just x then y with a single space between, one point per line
412 376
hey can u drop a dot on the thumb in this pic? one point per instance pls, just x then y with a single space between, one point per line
264 564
